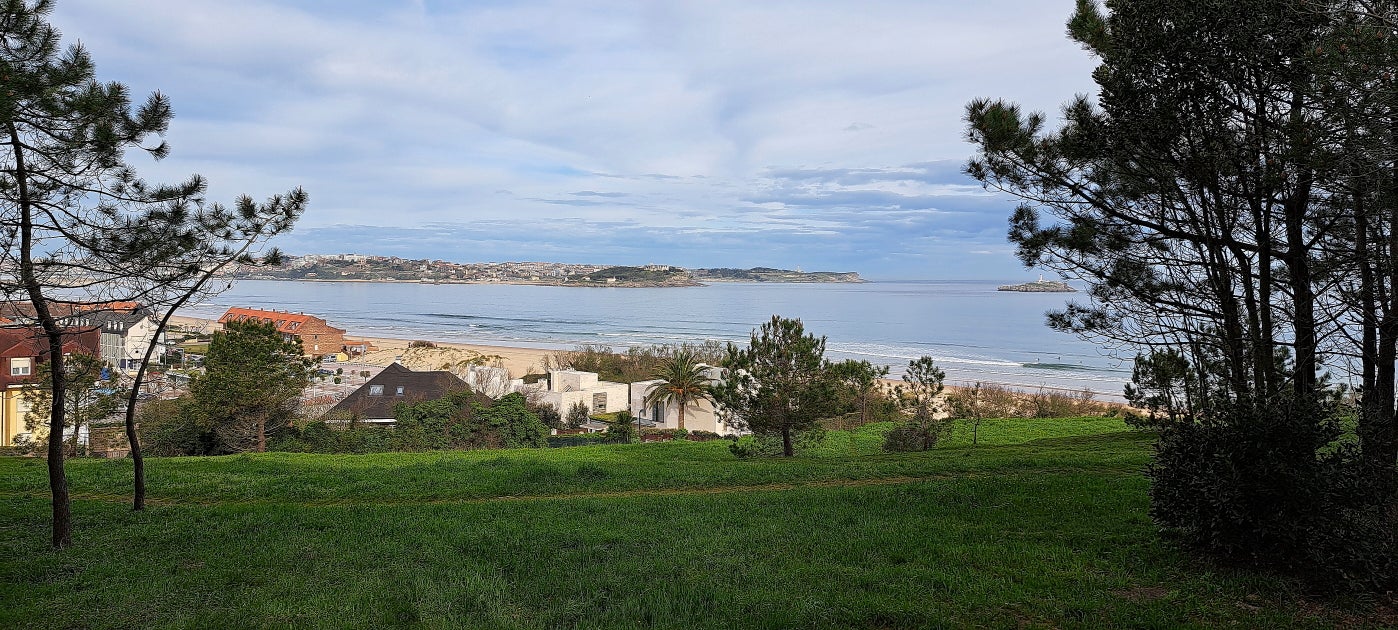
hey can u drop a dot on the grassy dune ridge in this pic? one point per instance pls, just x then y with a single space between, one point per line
1043 524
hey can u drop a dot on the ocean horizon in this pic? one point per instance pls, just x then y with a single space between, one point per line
974 332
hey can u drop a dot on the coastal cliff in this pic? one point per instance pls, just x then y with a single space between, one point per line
360 268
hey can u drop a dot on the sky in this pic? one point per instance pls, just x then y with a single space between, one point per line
806 134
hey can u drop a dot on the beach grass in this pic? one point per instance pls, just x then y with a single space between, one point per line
1043 524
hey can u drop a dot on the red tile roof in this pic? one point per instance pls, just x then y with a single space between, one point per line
31 342
286 322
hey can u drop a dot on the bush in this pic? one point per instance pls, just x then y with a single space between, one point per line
548 415
1055 404
168 428
770 445
319 437
1268 488
25 444
421 343
581 439
920 433
578 415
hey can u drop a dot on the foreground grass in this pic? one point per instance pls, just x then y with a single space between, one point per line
1043 524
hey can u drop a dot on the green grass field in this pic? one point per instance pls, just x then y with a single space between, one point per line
1044 524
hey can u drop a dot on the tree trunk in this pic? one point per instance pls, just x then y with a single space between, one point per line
1299 280
262 434
77 428
138 482
787 449
681 421
58 478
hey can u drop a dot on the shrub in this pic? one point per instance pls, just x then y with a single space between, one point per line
1268 488
919 433
421 343
770 445
25 444
168 428
548 415
1055 404
319 437
581 439
623 429
578 415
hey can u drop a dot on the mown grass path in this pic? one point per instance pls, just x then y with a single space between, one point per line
1044 526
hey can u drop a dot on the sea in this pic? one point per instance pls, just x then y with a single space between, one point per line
972 331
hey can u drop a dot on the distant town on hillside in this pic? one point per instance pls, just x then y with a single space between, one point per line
364 268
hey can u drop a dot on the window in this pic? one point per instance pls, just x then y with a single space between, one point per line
376 390
20 367
399 392
599 402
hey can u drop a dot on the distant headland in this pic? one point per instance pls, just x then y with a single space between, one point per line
1040 286
362 268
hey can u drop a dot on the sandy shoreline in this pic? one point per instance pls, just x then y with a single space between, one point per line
519 361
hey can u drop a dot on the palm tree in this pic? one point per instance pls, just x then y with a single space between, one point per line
682 381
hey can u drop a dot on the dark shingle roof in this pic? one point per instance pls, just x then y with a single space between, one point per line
416 387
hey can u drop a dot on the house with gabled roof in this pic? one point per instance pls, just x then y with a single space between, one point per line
374 401
22 349
318 337
126 328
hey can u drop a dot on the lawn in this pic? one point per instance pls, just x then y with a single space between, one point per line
1043 524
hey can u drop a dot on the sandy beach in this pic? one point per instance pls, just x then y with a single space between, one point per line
519 361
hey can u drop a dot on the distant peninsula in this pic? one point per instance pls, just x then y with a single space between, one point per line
362 268
1039 286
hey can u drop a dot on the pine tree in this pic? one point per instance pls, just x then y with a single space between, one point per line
78 225
780 384
252 381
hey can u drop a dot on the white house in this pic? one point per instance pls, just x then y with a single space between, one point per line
127 328
698 416
568 387
492 381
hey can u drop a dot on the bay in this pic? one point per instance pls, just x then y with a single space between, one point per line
974 332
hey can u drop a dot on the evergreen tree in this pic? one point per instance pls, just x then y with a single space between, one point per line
252 382
920 394
578 415
1231 199
78 224
780 384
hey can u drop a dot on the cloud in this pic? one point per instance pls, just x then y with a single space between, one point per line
784 133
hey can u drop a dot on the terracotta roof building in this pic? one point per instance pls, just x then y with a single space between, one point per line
317 337
22 349
126 327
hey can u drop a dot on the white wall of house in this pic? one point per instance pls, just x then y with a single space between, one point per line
613 397
568 387
698 416
491 381
571 380
138 336
125 351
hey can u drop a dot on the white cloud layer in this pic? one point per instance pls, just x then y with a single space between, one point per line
821 134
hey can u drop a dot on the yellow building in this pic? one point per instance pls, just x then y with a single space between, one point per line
15 417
